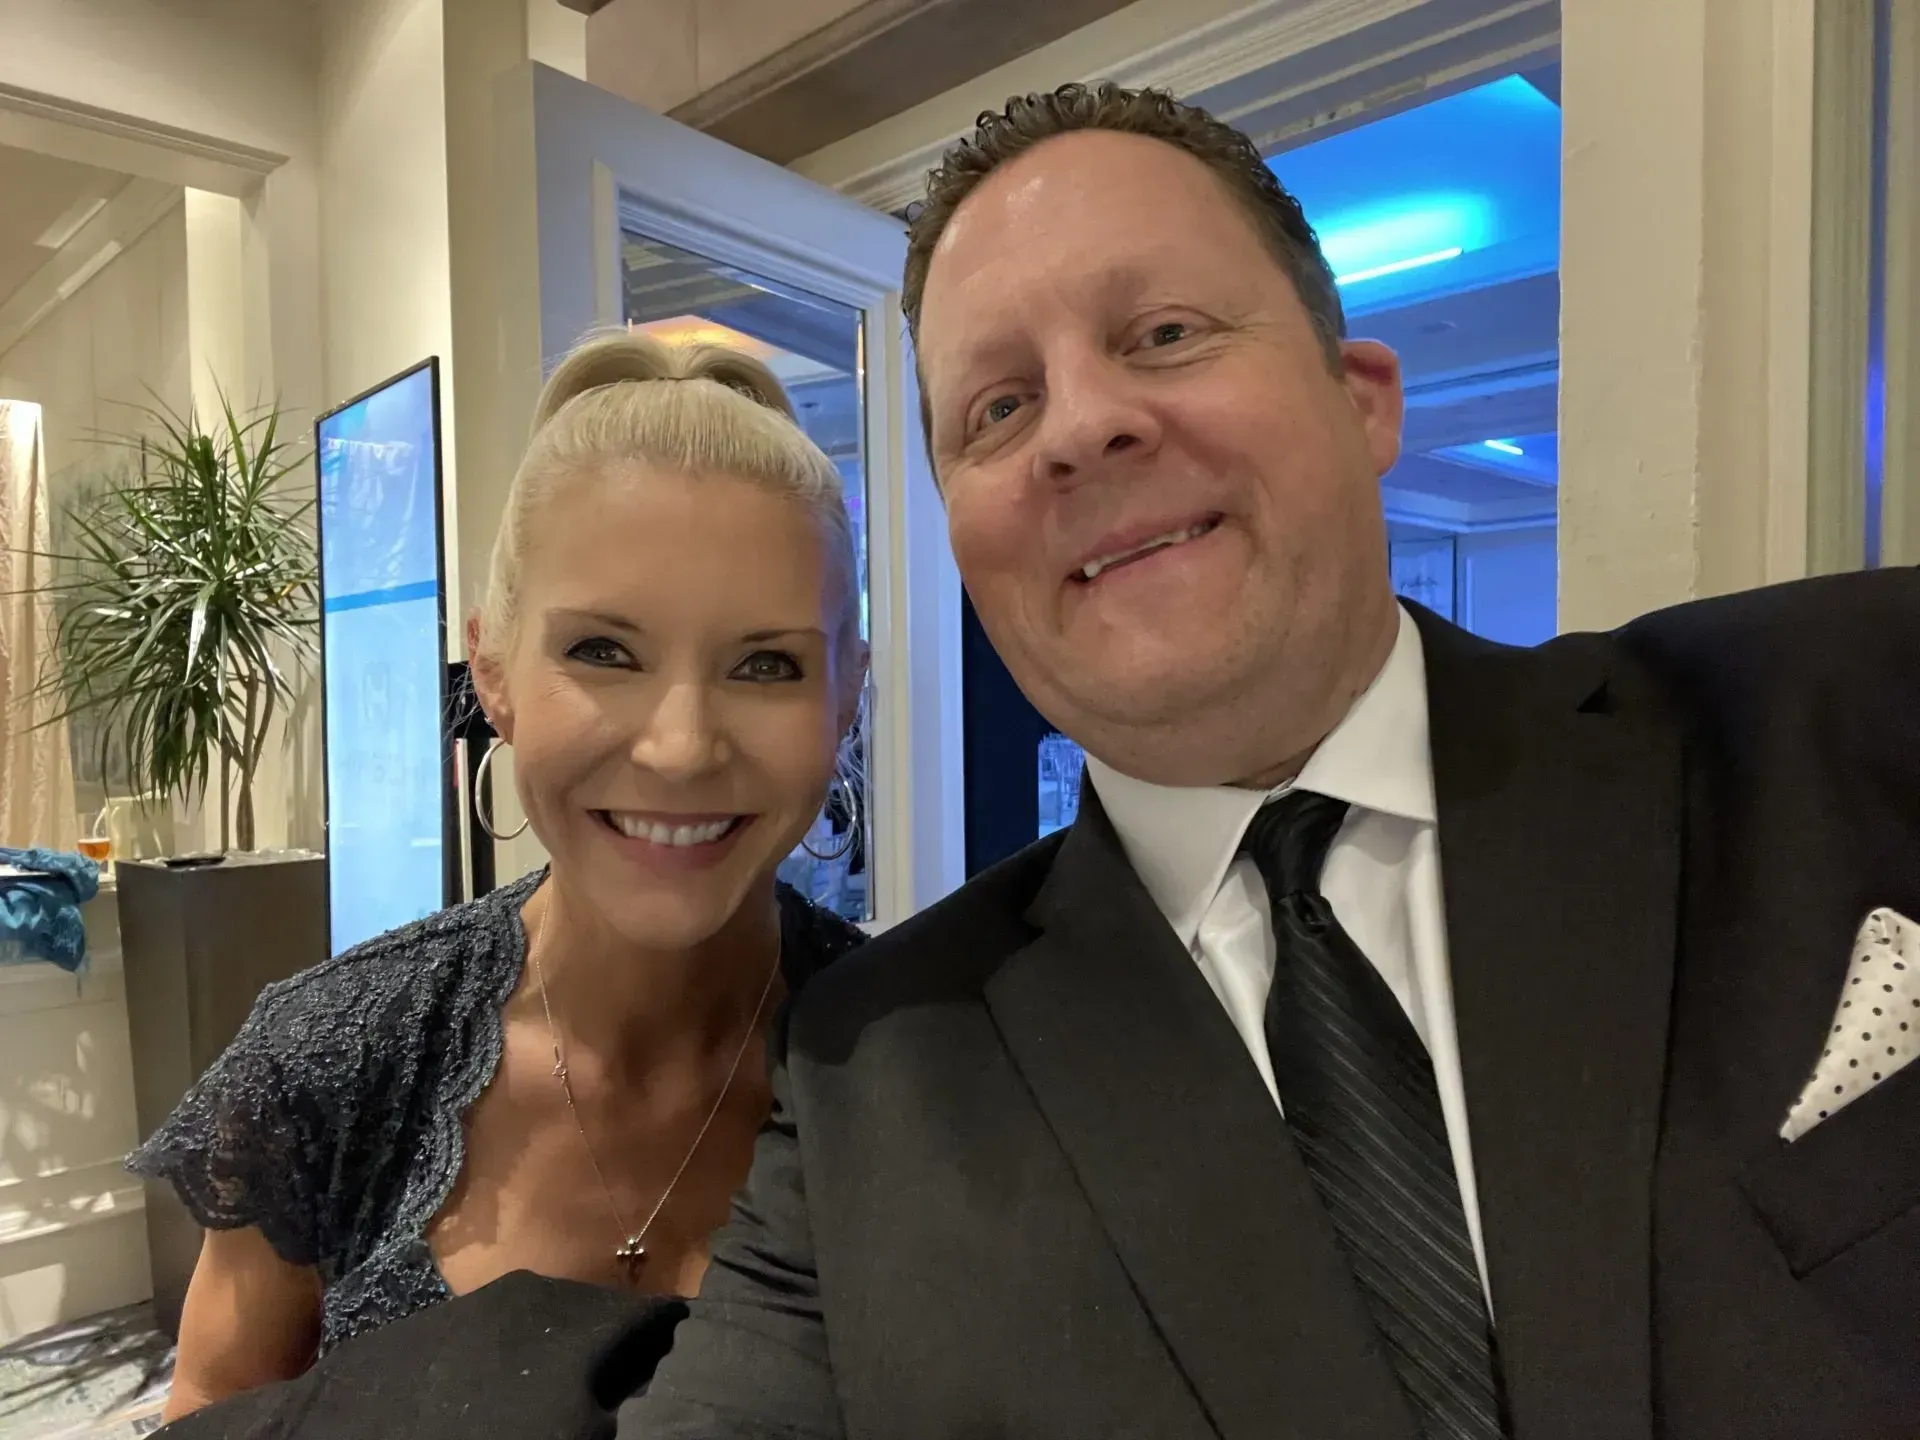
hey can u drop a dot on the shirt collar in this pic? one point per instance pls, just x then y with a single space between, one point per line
1182 839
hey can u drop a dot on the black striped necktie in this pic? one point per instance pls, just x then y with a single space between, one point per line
1358 1091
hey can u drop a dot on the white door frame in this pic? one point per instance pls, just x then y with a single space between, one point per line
1900 289
599 163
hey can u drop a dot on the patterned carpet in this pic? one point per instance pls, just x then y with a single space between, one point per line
98 1379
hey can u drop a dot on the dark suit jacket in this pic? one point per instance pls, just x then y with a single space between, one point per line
525 1358
1023 1180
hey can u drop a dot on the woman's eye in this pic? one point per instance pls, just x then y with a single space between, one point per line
1001 409
599 651
768 665
1172 332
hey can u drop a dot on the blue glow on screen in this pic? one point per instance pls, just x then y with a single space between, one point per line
385 653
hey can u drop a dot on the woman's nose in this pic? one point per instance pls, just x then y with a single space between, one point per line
682 737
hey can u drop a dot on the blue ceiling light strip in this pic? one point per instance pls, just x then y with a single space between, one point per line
1396 267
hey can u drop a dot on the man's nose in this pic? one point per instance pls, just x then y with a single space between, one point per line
1095 411
683 737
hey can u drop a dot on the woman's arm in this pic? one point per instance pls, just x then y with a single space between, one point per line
250 1319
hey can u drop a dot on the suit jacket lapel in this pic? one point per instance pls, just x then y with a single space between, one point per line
1559 800
1185 1160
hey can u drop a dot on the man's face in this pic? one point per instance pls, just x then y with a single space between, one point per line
1162 499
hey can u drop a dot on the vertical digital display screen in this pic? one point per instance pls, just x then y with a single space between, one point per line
383 632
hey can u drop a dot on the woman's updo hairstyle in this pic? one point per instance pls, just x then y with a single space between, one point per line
626 397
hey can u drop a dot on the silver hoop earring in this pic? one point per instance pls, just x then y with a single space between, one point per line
853 825
480 810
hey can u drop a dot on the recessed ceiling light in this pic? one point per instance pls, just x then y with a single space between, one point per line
1505 447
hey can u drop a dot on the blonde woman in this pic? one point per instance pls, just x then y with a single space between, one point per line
566 1076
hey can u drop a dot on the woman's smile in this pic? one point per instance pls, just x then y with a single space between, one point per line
674 842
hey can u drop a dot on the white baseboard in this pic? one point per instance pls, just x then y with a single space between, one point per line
62 1273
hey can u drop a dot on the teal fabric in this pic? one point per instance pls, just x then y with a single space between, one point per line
40 912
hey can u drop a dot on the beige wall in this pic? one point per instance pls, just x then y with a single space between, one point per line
557 36
118 343
238 69
384 232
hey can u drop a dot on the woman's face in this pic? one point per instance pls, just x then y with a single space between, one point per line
670 691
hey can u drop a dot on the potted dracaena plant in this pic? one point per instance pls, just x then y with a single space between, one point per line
186 608
185 614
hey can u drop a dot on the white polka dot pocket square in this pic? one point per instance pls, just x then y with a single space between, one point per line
1876 1031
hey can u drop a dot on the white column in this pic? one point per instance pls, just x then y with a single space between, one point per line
1695 255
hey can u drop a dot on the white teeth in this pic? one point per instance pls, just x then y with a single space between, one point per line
1091 570
637 827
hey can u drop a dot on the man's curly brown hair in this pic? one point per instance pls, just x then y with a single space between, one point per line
1030 120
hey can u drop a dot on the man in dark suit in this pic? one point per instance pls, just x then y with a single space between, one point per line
1413 1036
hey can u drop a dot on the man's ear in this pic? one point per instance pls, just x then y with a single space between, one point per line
1371 373
489 682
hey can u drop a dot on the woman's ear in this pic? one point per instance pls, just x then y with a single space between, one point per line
853 686
489 680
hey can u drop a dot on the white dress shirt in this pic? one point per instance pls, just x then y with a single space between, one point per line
1382 878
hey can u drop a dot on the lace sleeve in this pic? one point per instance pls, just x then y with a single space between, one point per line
252 1143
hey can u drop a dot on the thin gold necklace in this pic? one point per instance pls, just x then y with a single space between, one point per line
632 1253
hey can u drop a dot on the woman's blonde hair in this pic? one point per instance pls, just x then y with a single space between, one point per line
625 396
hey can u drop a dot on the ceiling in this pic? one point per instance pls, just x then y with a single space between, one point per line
45 200
1444 223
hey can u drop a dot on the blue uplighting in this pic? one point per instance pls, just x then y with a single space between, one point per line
1458 193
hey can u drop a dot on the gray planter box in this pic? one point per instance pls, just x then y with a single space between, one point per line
198 946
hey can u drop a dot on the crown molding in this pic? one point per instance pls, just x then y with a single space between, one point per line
1226 53
1192 61
88 135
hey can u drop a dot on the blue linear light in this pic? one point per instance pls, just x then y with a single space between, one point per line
1395 267
1505 447
1406 232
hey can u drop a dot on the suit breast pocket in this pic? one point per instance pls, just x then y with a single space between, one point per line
1843 1203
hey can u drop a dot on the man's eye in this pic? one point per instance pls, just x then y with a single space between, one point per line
1170 333
764 666
599 651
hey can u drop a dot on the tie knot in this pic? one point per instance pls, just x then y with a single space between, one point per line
1289 838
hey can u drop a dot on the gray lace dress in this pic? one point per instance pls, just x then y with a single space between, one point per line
333 1122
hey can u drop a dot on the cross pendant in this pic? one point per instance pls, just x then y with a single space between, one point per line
632 1254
